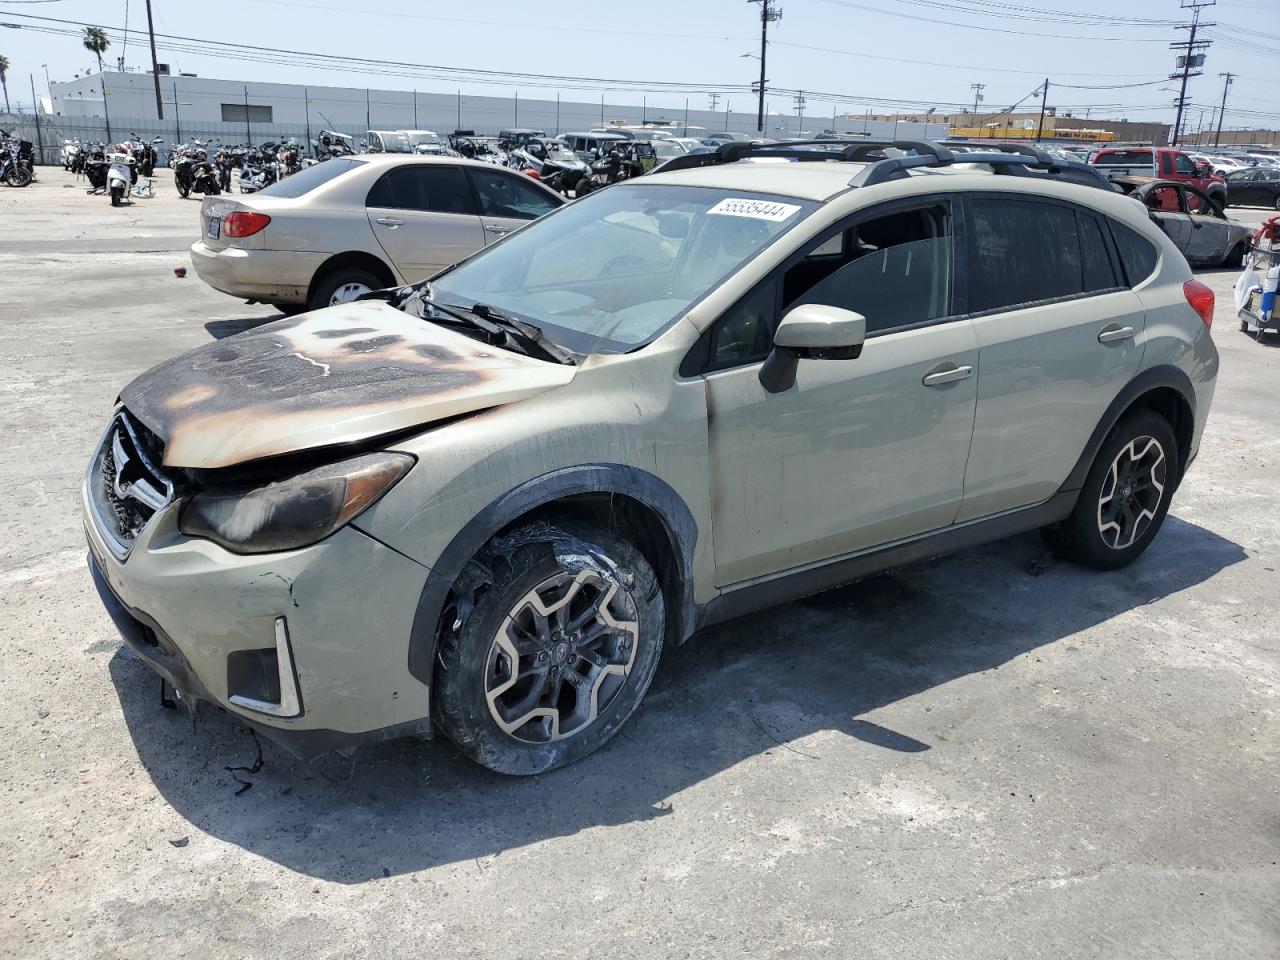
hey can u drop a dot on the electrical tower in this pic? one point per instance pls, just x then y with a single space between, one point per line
713 100
1191 58
769 13
977 89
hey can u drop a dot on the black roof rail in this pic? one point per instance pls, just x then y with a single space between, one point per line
1016 159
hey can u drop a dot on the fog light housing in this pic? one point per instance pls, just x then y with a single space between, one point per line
265 681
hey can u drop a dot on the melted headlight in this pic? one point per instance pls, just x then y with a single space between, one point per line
295 512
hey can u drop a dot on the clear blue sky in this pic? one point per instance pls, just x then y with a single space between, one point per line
886 49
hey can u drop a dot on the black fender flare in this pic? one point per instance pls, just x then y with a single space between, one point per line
595 478
1154 378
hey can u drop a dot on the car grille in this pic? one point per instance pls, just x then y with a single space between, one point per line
126 488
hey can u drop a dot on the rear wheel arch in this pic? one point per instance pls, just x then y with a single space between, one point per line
1165 390
636 504
356 259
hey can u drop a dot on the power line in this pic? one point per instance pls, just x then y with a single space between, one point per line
974 26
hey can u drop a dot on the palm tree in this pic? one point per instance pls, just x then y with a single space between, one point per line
4 68
95 41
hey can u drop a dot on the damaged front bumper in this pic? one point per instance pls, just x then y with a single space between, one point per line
310 647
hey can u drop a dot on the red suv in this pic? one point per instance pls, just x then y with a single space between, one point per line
1163 162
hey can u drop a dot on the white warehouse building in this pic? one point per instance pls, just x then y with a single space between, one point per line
233 111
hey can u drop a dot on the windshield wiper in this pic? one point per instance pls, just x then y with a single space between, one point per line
499 329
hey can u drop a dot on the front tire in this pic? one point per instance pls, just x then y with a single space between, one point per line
184 189
117 194
19 176
1125 496
557 651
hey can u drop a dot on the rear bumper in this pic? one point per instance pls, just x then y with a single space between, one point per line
272 276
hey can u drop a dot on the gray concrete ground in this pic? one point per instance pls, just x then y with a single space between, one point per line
991 755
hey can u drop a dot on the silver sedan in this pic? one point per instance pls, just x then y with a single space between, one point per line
341 228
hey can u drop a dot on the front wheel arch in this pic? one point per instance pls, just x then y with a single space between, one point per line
645 508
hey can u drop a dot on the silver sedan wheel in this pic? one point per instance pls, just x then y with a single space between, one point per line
561 656
348 292
1131 493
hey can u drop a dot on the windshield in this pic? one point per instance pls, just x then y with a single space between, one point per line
559 150
1121 158
425 136
395 143
668 148
611 271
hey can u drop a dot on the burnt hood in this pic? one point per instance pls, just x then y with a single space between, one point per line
339 375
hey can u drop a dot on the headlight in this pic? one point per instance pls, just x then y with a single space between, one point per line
294 512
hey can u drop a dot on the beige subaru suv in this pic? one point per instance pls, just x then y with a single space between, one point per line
481 505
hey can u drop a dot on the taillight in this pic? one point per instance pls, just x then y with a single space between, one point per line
243 223
1201 299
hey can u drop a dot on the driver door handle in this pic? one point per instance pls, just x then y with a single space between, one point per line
391 222
497 228
1114 334
946 372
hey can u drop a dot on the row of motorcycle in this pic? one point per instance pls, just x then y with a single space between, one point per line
552 161
16 159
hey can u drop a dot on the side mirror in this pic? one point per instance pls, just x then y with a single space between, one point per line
812 330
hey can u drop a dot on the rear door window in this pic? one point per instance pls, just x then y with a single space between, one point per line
428 188
1021 252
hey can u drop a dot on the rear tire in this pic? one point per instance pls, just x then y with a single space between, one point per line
1235 258
1275 204
523 692
343 278
1125 496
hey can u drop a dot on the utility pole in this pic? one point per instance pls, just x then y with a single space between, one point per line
36 105
800 112
1226 85
1044 100
713 97
306 108
248 134
155 65
177 121
368 111
977 89
415 109
1193 56
769 13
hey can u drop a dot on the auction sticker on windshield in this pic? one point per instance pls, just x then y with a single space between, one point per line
755 209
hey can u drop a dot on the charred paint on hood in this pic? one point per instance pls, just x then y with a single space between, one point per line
340 375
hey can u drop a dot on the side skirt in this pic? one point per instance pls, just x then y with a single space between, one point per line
751 597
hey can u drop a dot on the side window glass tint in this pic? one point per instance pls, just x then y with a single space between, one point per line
507 195
1137 254
1021 252
1184 165
427 188
745 333
896 271
1098 272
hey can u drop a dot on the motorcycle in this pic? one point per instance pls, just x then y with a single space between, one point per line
226 160
192 171
122 174
329 143
15 160
70 155
261 168
144 153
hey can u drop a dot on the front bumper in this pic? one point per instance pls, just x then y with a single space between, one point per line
272 276
193 612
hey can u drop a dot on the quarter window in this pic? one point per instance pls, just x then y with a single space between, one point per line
1137 254
425 187
1022 252
1099 274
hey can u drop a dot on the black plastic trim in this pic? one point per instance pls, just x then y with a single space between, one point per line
760 596
595 478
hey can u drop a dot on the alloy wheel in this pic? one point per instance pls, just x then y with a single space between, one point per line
348 292
561 656
1131 492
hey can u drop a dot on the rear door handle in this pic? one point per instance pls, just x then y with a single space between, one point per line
392 222
946 372
1114 334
